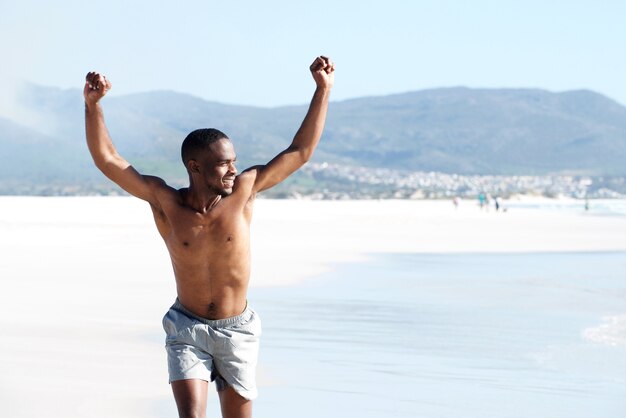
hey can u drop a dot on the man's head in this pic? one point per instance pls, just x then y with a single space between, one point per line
209 157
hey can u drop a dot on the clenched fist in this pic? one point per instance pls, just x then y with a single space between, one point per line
323 71
96 86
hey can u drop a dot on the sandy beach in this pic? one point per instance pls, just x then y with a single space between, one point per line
85 281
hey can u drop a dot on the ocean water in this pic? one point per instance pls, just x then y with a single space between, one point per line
603 207
471 335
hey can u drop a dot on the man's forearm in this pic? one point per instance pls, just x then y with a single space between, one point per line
98 140
310 132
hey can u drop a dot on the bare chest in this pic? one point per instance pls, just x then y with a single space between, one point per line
194 238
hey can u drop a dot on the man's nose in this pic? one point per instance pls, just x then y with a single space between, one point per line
232 168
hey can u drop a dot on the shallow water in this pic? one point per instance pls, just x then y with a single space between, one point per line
448 336
602 207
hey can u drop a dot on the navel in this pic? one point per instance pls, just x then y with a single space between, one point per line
185 243
211 310
230 238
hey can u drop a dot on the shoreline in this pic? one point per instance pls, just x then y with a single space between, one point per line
292 240
350 230
93 278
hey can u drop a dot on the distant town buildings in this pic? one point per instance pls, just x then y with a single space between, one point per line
349 182
335 181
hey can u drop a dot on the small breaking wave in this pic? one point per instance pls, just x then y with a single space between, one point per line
611 332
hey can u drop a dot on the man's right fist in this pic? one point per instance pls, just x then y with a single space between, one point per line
96 86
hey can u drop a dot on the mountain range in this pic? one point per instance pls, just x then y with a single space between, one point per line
451 130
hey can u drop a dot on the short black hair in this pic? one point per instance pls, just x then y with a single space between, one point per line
199 140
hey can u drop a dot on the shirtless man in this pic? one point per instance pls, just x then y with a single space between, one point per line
211 333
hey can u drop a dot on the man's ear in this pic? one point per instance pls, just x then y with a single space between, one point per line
193 166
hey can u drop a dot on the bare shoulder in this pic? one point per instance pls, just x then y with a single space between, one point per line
243 189
246 180
163 194
158 185
154 181
249 174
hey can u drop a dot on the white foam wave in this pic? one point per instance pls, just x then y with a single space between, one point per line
611 332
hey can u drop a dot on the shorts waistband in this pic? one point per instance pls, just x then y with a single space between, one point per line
216 323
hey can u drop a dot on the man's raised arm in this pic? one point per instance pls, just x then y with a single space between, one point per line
101 147
309 134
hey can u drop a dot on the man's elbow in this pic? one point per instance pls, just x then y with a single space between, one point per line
305 154
99 162
108 165
305 158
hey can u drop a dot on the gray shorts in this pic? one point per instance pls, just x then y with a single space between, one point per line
222 350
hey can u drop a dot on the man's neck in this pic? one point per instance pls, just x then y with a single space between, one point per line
201 200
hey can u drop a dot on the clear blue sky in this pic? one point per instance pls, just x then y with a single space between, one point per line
258 52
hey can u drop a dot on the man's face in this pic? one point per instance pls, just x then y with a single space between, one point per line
217 167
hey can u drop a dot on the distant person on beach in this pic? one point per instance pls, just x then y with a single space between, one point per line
482 200
211 332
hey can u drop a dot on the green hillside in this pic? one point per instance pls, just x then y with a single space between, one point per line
452 130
